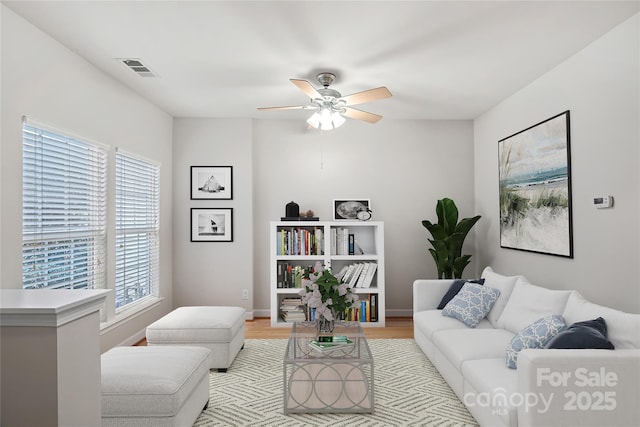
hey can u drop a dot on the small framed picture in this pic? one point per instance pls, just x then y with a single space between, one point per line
211 225
347 209
211 183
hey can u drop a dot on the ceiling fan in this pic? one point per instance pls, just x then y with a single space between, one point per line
331 106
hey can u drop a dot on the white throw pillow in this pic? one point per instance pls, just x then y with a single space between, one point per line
623 329
502 283
529 303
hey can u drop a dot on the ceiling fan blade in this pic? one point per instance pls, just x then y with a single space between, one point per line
354 113
291 107
367 96
307 88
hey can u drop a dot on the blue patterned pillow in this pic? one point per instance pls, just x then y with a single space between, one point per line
536 335
472 304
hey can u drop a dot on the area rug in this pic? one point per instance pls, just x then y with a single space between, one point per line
409 391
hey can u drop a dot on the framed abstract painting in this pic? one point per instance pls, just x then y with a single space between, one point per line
534 167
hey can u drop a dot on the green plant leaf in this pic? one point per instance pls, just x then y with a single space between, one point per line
466 224
447 214
436 230
459 264
448 238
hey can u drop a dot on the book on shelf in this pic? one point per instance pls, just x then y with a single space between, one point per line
373 307
371 270
292 310
289 275
300 241
359 275
362 275
357 269
342 243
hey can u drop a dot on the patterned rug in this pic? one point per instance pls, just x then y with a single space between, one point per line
409 391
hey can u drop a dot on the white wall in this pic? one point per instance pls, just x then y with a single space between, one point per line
213 273
48 83
600 86
404 167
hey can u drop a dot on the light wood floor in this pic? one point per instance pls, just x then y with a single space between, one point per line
396 327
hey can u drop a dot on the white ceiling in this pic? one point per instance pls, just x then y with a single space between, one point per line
440 59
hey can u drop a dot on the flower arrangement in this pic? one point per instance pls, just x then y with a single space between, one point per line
327 294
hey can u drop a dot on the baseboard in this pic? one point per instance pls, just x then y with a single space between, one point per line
262 313
399 312
134 339
249 315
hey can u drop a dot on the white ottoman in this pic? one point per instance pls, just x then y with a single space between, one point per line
218 328
154 386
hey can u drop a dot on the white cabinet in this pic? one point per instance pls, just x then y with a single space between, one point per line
298 245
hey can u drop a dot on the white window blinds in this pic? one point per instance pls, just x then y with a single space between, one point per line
64 210
137 229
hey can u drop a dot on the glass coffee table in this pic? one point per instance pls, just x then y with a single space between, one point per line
328 381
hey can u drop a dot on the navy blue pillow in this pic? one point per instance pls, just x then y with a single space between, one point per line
587 334
454 289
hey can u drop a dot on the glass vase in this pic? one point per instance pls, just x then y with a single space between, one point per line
324 325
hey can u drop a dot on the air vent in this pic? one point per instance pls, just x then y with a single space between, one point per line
138 67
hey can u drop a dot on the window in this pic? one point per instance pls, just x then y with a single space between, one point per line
64 210
137 229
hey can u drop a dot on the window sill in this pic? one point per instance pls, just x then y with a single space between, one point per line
129 313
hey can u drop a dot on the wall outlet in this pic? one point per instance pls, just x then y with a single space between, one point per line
245 294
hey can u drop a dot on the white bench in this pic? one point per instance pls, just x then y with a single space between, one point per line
154 386
218 328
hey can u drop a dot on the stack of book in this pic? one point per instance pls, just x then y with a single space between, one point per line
359 275
331 343
292 310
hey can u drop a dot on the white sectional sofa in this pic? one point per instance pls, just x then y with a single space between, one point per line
550 387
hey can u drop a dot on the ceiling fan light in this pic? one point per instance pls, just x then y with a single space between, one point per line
326 119
338 120
314 120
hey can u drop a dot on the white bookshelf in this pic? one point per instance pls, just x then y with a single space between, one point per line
369 236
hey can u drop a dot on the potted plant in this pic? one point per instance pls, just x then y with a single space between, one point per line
448 236
328 295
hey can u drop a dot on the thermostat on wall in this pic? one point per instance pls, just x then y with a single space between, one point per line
603 202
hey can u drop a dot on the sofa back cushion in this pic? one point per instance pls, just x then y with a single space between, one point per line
502 283
529 303
623 328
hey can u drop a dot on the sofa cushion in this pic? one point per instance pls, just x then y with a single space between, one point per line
502 283
430 321
472 304
460 345
454 289
488 382
623 329
587 334
529 303
536 335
